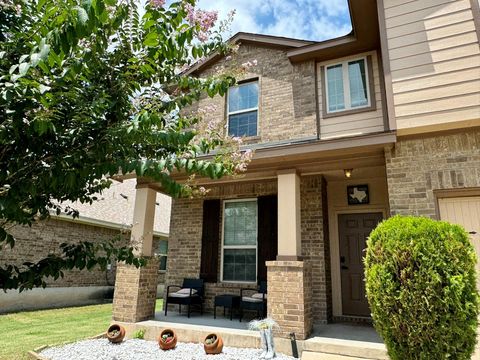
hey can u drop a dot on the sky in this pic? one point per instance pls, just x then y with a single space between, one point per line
302 19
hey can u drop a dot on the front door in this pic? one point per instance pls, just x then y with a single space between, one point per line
354 230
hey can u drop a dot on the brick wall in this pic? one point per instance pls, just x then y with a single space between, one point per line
36 242
135 294
314 249
287 108
290 298
185 242
417 167
186 232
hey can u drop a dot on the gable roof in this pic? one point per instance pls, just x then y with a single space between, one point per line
364 36
115 206
278 42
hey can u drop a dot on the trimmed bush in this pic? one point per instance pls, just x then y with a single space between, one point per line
421 287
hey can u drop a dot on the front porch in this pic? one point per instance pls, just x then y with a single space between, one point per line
287 222
327 341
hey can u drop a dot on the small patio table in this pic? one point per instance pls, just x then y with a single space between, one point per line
226 300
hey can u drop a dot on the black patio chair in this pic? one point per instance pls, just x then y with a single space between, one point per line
256 301
190 293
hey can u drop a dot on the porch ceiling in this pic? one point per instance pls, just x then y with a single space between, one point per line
314 157
328 157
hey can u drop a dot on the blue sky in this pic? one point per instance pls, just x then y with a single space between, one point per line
302 19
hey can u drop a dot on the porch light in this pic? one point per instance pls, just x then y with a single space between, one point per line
348 173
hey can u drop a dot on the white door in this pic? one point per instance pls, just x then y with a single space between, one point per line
464 211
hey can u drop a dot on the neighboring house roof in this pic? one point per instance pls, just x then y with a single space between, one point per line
115 205
363 37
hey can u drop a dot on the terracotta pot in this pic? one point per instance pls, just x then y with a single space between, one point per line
216 347
118 335
171 343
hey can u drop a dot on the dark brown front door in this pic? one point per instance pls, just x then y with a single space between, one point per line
353 233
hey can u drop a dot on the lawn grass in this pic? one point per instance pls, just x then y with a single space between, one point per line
25 331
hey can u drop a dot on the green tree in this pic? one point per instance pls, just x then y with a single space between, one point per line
94 88
421 287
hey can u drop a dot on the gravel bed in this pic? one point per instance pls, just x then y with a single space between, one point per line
135 349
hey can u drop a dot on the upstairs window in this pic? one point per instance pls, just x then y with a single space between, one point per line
347 86
242 109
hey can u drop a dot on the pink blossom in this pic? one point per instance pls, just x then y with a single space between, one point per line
157 3
202 18
249 64
238 140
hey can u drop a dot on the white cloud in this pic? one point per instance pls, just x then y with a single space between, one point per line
303 19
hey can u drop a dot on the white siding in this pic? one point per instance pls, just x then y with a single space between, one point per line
353 124
434 60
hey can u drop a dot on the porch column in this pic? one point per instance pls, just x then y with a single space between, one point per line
136 289
289 233
289 277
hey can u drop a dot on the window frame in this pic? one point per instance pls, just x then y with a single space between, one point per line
160 255
223 247
243 83
346 87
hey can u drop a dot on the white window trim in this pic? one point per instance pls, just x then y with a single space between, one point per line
346 86
159 254
243 110
238 246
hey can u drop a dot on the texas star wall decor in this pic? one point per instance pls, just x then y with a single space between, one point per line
358 194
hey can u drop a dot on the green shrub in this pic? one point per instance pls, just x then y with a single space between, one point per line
421 287
139 334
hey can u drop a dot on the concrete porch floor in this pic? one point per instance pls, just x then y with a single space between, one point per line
337 340
357 332
202 320
344 331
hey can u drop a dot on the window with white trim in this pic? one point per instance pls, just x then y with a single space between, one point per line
347 85
242 108
239 243
162 252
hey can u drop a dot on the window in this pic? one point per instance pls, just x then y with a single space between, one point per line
242 108
239 250
162 251
347 86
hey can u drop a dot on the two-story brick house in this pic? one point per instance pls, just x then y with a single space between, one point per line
346 132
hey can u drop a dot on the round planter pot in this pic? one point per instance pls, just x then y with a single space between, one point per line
115 333
214 348
167 344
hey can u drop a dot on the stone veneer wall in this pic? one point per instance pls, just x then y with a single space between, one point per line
417 167
186 231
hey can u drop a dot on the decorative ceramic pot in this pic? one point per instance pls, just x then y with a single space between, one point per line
213 344
115 333
167 339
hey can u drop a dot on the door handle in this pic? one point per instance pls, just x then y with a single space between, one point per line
343 267
472 232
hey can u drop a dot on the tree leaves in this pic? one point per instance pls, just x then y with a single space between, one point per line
87 91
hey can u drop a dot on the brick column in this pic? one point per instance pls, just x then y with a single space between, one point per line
290 297
136 289
135 292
